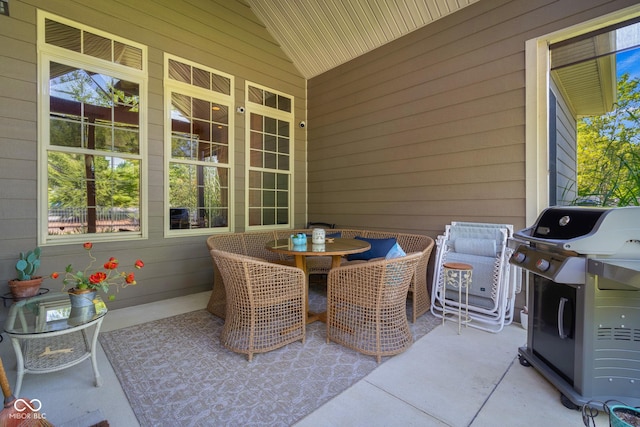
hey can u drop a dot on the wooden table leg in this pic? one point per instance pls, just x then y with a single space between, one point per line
301 263
336 260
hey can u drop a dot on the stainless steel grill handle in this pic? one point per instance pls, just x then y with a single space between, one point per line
561 333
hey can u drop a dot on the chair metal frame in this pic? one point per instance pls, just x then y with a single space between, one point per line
489 314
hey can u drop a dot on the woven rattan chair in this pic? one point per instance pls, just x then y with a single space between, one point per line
366 305
265 304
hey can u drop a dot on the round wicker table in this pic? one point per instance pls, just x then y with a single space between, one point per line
335 248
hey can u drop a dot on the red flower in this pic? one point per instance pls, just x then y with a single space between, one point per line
112 264
104 280
97 277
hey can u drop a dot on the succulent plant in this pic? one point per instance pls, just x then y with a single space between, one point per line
28 264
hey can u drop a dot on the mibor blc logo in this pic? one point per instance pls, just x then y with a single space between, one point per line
27 410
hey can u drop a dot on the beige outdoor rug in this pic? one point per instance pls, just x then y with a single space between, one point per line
174 371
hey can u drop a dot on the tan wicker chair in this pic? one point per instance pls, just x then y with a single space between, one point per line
253 244
366 305
419 290
265 304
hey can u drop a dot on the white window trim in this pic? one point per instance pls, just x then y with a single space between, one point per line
171 86
47 53
537 106
252 107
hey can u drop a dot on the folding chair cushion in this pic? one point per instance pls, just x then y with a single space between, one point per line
481 247
482 280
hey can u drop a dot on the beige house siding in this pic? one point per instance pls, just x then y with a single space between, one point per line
220 34
566 150
430 128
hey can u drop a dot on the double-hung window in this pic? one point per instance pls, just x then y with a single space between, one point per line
199 129
270 157
92 133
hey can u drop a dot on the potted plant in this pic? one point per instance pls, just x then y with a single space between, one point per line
82 285
624 416
27 284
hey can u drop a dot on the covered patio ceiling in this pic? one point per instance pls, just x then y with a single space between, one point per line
319 35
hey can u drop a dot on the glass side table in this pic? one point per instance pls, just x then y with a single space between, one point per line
49 335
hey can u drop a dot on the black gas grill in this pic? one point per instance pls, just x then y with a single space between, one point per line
584 308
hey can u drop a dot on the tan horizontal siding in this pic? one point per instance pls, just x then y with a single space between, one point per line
430 128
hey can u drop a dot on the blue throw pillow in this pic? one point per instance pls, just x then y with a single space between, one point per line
395 252
379 249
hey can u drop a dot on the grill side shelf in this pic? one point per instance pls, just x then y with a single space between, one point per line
618 274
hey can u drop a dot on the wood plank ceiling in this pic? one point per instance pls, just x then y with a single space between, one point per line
319 35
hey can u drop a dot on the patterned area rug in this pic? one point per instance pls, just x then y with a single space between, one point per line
174 371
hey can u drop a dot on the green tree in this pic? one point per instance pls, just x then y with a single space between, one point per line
609 150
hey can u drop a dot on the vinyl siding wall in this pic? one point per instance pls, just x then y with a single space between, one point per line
566 151
430 128
221 34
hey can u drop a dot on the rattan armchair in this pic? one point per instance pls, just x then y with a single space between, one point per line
265 303
366 305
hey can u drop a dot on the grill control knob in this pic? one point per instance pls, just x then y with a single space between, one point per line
542 265
519 257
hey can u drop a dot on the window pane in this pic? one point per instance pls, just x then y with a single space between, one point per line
270 161
255 95
92 110
202 130
268 217
283 181
283 216
269 149
92 194
93 186
284 103
283 199
255 179
179 71
270 125
283 128
62 35
255 159
97 46
269 180
256 140
199 192
283 145
270 99
65 131
220 84
270 143
201 78
220 134
283 162
201 109
255 217
127 55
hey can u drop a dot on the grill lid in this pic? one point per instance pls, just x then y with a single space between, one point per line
567 223
589 231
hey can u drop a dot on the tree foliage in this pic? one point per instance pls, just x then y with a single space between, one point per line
609 151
